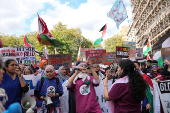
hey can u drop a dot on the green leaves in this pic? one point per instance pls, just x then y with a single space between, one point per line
111 43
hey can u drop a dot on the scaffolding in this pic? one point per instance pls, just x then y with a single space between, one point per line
151 19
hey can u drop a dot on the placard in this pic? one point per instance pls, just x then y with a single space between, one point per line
8 53
132 46
164 93
100 95
165 53
96 56
31 81
25 55
111 57
60 60
83 53
139 53
122 52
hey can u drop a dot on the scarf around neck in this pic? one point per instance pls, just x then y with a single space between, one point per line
82 76
60 76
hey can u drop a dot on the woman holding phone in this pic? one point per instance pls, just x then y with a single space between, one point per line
83 85
13 83
127 91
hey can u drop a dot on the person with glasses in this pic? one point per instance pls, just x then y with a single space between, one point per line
154 74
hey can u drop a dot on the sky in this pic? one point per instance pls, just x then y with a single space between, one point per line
19 17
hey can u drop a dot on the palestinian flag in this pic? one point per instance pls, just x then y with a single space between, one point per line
78 56
99 40
149 90
26 42
147 48
45 37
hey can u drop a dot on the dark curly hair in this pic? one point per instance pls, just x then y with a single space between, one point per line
137 84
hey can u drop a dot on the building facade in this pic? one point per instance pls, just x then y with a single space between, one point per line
150 19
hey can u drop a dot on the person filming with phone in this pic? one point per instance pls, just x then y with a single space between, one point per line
83 85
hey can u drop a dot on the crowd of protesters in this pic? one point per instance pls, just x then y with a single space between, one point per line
129 92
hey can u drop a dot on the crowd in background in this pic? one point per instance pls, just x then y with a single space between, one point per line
130 83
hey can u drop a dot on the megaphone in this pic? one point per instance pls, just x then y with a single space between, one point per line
49 102
28 102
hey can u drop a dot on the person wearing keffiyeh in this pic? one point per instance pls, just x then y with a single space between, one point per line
62 74
83 85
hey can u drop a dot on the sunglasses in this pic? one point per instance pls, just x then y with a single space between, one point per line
88 68
154 66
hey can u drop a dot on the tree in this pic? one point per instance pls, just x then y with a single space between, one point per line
111 43
72 39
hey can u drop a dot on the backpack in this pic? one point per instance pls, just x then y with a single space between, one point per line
42 81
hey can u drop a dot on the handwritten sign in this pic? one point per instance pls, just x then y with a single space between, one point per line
111 57
122 52
25 55
97 56
165 52
60 60
100 96
83 53
8 53
132 46
164 92
21 54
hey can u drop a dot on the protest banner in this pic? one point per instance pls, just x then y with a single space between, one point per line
122 52
83 53
31 81
132 46
8 53
96 56
139 53
165 53
60 60
100 96
164 93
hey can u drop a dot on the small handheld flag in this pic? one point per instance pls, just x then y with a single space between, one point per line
118 12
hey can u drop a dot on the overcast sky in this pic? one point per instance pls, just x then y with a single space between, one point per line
20 16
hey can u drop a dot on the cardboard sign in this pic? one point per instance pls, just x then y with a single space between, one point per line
165 53
139 53
132 46
111 57
96 56
60 60
122 52
164 93
83 53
